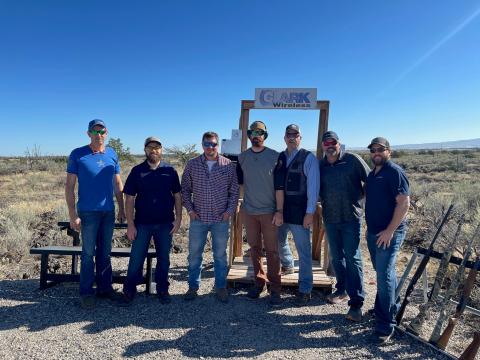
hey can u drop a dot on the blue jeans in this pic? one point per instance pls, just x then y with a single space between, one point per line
97 232
383 260
301 237
196 243
346 259
163 242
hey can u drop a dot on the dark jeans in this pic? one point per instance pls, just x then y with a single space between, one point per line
163 242
383 260
346 258
97 232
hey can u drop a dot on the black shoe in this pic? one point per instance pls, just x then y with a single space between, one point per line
255 291
191 294
354 314
302 298
124 301
110 295
275 298
164 297
382 339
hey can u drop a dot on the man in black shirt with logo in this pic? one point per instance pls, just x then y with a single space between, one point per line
152 191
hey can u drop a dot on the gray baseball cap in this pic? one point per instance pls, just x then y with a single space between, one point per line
152 139
379 141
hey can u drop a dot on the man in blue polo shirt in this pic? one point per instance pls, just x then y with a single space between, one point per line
152 190
98 172
387 202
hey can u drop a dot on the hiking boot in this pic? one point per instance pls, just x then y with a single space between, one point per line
302 298
337 297
381 339
354 314
124 301
275 298
255 291
87 302
111 295
191 294
287 270
164 297
222 295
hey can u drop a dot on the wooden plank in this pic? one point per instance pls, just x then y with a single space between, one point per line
77 250
242 271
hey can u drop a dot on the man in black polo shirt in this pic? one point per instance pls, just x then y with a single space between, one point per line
342 178
152 191
387 202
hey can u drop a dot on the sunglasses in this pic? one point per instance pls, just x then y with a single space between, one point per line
209 144
292 135
153 148
98 132
330 142
256 132
377 150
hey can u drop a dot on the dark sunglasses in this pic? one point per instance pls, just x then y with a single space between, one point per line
98 132
330 142
377 150
209 144
256 132
292 135
152 148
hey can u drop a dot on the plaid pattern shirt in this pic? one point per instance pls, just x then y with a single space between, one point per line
210 193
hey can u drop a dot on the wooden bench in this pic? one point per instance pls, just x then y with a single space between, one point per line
48 279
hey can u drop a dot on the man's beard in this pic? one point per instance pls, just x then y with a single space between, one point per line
332 151
379 160
153 158
257 142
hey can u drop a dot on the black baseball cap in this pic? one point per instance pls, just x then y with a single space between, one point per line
379 141
292 127
330 135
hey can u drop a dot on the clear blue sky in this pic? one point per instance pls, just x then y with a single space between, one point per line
408 70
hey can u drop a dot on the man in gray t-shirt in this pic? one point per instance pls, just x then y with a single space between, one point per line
262 210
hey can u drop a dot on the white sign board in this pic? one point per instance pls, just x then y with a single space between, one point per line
285 98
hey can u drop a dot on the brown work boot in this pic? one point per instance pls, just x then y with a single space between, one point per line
354 314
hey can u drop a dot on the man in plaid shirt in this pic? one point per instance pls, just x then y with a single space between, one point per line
210 195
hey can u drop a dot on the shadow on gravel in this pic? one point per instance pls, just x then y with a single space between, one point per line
205 327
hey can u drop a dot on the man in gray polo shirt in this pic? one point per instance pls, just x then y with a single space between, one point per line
342 179
262 210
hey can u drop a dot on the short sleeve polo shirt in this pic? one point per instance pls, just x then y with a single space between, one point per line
95 172
153 190
382 189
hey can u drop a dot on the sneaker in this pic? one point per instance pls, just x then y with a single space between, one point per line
164 297
302 298
354 314
110 295
191 294
337 297
255 291
275 298
381 339
222 295
287 270
124 301
87 302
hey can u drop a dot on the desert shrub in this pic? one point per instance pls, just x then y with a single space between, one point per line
399 153
182 153
122 151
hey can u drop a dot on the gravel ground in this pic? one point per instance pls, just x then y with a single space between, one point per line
50 324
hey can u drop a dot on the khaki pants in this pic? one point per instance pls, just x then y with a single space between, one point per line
256 226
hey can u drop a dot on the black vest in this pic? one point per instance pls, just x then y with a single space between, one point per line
295 204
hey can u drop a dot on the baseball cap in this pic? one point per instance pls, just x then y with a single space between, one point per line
379 141
152 139
330 135
292 127
258 125
96 122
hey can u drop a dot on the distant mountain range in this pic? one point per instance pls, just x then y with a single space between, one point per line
457 144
